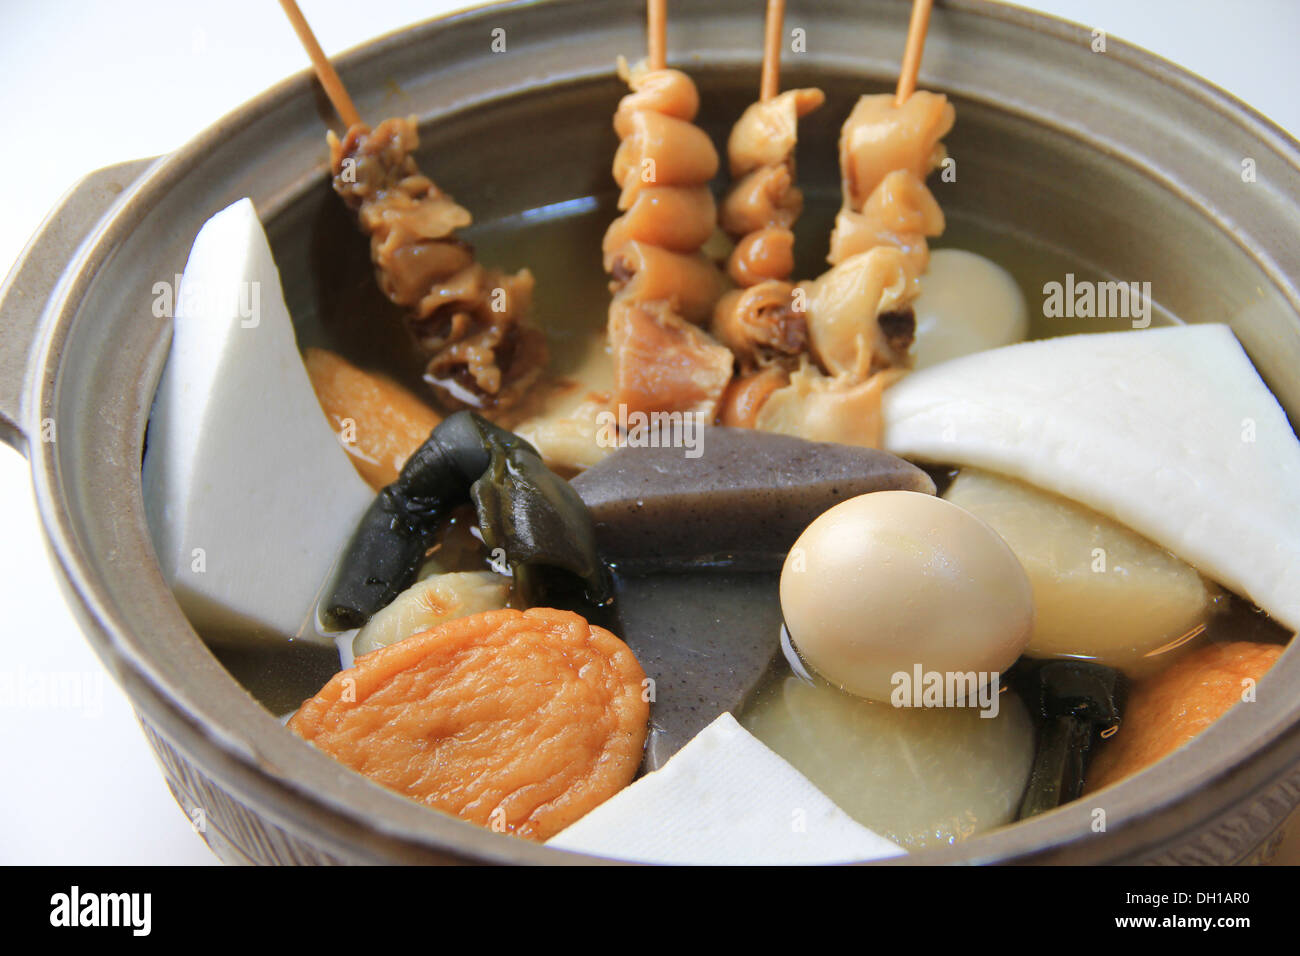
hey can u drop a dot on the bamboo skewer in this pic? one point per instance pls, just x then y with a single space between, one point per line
329 79
657 33
916 30
772 33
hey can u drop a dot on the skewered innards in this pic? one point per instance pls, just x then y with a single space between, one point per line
777 355
826 382
470 321
700 323
761 321
886 152
662 282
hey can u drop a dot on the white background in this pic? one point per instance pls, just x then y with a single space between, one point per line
88 83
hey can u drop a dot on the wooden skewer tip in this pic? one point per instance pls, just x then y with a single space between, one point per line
773 30
325 72
916 30
657 33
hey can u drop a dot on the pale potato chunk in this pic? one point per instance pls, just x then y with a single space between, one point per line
1101 591
430 602
919 776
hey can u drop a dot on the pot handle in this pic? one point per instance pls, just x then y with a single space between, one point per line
27 288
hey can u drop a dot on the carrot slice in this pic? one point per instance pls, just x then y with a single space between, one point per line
522 721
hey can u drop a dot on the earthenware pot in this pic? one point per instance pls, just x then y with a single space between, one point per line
1125 164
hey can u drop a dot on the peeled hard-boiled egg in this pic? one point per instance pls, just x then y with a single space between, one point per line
967 304
887 581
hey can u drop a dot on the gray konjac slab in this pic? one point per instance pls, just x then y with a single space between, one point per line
705 638
742 501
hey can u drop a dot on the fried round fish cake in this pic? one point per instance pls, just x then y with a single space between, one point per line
522 721
1168 709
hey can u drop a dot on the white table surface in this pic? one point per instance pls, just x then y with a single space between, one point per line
87 84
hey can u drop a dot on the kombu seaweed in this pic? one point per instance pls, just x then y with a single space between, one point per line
529 517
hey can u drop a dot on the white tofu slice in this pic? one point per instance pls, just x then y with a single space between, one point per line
249 495
724 798
1169 431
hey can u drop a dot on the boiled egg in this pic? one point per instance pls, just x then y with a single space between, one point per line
887 582
967 304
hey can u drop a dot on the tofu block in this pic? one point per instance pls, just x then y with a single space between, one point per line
1169 431
249 495
724 799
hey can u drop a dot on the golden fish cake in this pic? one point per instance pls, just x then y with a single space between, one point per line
379 422
518 720
1168 709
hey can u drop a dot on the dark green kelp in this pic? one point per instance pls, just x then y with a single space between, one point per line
530 519
1075 703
